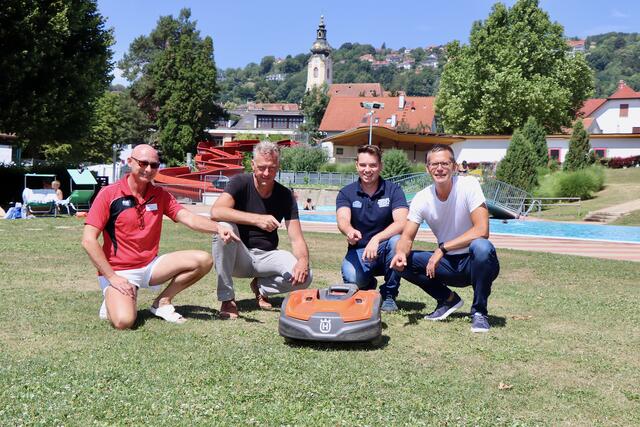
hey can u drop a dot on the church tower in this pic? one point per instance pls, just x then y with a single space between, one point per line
320 68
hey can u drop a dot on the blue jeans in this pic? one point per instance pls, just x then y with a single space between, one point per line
362 273
479 268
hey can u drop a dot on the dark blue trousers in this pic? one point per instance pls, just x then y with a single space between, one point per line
479 268
362 273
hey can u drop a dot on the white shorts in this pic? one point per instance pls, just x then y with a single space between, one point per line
137 276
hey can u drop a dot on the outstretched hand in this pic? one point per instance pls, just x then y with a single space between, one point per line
227 234
399 262
354 237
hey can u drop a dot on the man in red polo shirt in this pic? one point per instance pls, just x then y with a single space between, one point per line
129 215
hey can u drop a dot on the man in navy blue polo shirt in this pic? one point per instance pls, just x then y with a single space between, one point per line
371 213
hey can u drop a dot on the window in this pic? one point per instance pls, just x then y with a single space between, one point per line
624 110
635 129
339 151
315 72
600 152
554 154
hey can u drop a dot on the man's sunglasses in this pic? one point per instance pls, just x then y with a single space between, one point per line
143 164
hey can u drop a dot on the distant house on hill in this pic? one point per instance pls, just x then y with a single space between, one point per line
259 119
576 46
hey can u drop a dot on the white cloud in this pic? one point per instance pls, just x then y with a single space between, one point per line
617 14
117 78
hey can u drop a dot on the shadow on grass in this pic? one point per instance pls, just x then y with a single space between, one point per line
410 305
494 321
376 344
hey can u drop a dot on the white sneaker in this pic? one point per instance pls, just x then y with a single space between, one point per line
103 311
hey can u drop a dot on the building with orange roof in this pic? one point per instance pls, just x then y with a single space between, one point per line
617 114
355 89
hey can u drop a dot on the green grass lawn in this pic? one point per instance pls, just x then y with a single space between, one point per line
621 185
632 219
564 345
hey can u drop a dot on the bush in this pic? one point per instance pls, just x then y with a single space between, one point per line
346 167
395 162
582 183
623 162
302 158
329 167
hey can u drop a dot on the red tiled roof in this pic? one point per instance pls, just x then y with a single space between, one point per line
624 92
355 89
575 43
345 113
589 106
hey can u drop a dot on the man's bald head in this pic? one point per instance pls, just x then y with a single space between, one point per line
145 152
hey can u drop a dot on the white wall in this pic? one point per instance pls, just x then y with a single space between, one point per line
480 150
5 154
617 147
609 120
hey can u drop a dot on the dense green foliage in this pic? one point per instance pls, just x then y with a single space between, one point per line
54 63
536 135
302 158
395 162
614 57
518 167
515 66
117 121
259 82
173 77
582 183
578 155
314 104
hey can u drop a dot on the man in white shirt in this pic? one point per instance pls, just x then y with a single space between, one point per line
455 210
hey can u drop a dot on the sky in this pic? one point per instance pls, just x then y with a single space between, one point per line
246 31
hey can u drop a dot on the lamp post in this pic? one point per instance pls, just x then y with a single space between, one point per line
371 106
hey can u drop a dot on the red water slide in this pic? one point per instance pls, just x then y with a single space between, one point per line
225 160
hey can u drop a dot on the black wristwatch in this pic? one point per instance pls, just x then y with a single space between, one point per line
441 246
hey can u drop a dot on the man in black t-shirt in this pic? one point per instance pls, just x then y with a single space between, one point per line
254 206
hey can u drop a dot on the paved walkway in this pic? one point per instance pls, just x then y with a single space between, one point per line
595 249
622 209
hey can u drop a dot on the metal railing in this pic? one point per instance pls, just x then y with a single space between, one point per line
505 196
322 178
538 204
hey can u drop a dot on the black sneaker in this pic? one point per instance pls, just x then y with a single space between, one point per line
479 323
389 304
444 309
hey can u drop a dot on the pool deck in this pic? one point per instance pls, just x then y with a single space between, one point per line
588 248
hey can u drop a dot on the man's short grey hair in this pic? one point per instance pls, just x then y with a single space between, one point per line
266 148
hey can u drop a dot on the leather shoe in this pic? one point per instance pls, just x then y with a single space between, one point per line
263 302
228 310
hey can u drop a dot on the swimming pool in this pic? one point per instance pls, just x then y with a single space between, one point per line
611 233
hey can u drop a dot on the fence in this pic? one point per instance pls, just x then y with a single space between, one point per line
324 178
538 204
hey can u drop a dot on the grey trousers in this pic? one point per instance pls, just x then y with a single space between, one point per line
235 260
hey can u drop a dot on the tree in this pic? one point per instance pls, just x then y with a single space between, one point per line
302 158
578 155
394 162
117 121
314 105
55 63
518 167
174 79
516 65
537 137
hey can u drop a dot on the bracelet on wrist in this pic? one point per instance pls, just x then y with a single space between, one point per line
442 248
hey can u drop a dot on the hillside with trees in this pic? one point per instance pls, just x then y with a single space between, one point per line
414 71
614 57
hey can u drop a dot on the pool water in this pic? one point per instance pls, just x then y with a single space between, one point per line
612 233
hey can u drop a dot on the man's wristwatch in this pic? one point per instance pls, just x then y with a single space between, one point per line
441 246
